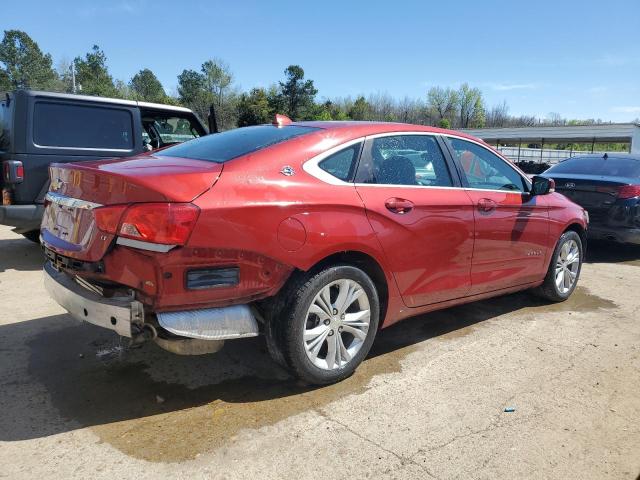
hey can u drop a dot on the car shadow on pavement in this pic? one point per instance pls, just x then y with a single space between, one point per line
20 254
611 252
57 375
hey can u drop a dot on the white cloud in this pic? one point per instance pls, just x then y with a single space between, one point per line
503 87
597 90
626 109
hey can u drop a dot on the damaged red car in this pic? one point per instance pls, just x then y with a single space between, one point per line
315 234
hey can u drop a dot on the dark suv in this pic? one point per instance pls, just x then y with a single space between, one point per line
39 128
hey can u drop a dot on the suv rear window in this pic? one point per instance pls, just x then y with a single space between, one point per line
221 147
79 126
612 166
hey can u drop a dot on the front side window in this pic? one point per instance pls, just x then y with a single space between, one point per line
79 126
485 170
221 147
407 160
342 164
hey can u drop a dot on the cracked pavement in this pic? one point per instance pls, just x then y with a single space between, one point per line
429 402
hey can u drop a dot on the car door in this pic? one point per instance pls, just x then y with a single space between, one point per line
511 226
420 214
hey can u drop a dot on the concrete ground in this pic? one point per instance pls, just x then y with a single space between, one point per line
429 402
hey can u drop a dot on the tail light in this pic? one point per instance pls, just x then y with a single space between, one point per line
12 171
629 191
164 223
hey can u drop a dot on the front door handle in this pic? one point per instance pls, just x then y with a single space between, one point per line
486 205
398 205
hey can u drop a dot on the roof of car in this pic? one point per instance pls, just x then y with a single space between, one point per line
90 98
626 156
372 128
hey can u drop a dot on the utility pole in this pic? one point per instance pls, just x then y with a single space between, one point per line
73 78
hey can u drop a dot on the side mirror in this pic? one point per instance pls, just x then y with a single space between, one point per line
543 185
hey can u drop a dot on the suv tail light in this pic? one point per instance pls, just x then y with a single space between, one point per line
12 171
629 191
164 223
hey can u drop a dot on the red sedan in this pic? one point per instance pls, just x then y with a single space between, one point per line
316 234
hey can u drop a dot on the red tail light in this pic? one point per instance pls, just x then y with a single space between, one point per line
13 171
108 218
166 223
629 191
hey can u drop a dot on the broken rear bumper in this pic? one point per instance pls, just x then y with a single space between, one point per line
126 316
117 314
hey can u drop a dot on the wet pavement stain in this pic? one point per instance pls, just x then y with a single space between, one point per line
156 406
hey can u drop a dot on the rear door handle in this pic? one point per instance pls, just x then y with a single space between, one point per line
486 205
398 205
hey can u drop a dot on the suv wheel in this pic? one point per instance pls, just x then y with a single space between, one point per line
564 269
326 325
33 235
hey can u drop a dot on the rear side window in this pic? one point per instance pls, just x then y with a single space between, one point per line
221 147
5 126
80 126
406 160
343 163
612 166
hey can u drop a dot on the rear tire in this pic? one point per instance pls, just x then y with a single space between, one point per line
322 325
564 269
33 235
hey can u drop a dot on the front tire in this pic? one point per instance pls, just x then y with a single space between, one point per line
564 269
325 325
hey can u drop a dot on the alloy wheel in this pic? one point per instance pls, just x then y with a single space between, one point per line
336 324
567 266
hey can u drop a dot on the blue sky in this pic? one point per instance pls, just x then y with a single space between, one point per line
578 58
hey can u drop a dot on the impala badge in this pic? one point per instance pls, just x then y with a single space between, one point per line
287 170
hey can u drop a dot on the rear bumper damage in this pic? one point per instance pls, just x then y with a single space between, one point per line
182 332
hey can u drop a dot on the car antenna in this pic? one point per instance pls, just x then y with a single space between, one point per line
213 123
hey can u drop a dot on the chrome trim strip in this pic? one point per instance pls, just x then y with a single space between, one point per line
70 201
153 247
311 166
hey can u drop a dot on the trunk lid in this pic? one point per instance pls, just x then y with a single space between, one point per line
595 193
68 225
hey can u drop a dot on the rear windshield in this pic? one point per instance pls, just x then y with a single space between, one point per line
612 166
221 147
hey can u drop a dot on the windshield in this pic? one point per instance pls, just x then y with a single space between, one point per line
612 166
221 147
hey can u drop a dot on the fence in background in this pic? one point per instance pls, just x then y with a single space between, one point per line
536 155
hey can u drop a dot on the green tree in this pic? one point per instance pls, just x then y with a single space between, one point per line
192 92
254 108
92 74
23 64
442 104
218 81
444 123
360 110
145 86
470 106
297 93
